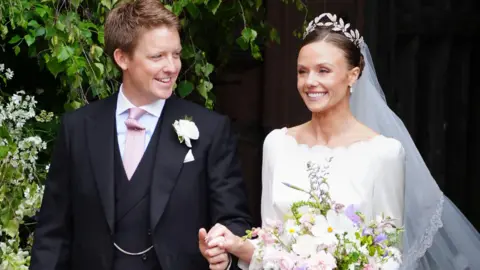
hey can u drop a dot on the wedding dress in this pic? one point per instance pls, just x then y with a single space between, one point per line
368 174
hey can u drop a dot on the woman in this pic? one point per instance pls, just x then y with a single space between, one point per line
373 161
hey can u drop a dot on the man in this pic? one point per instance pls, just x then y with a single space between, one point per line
126 189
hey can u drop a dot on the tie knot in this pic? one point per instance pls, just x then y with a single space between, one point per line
133 115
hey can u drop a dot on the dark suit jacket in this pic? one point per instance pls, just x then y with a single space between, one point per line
76 220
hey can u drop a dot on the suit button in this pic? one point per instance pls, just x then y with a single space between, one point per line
149 232
144 256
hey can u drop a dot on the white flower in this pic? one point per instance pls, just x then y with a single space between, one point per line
9 74
333 223
290 232
186 131
390 264
16 99
302 210
306 246
291 228
271 266
395 253
324 231
2 67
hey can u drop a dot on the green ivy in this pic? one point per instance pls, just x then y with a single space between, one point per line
67 38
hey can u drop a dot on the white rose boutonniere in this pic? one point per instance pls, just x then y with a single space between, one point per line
186 131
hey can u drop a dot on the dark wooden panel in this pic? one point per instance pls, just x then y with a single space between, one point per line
426 58
239 95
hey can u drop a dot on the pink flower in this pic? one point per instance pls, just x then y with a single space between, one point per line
266 237
322 261
368 267
282 259
307 218
286 261
372 264
256 231
271 255
273 224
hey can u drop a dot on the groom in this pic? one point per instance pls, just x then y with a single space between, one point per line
124 192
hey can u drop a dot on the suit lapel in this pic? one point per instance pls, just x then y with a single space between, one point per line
168 161
100 143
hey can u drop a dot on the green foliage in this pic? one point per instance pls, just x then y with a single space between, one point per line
21 173
67 38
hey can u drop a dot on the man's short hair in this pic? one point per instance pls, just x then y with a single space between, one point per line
129 19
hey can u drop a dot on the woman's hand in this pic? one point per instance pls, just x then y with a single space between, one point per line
221 237
217 257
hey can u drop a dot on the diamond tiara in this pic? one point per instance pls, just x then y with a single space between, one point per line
336 25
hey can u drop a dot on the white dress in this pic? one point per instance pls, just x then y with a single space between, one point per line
369 174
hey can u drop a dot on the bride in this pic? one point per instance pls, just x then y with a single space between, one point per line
370 157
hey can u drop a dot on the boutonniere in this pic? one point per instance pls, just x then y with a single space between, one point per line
186 130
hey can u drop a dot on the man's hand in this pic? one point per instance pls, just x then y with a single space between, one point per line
222 237
216 256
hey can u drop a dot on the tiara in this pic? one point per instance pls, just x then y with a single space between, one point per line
337 25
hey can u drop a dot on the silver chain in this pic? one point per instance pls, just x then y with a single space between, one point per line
132 253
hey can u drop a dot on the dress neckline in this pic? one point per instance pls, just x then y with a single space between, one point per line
322 146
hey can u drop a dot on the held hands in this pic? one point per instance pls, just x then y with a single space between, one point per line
217 257
216 245
222 237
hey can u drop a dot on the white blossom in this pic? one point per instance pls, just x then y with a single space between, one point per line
186 130
21 163
9 74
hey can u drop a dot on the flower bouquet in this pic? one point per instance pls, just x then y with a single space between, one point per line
323 234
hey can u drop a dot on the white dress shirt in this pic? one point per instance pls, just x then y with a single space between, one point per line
148 120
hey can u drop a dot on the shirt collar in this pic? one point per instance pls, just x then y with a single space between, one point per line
123 104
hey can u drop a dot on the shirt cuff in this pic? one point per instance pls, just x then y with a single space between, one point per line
229 262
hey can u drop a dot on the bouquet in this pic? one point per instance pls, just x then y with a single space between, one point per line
322 234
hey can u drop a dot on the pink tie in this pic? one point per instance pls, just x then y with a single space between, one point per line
134 142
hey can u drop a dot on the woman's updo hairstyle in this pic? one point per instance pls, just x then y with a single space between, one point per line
326 28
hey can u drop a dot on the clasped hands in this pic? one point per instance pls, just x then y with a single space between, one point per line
217 245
